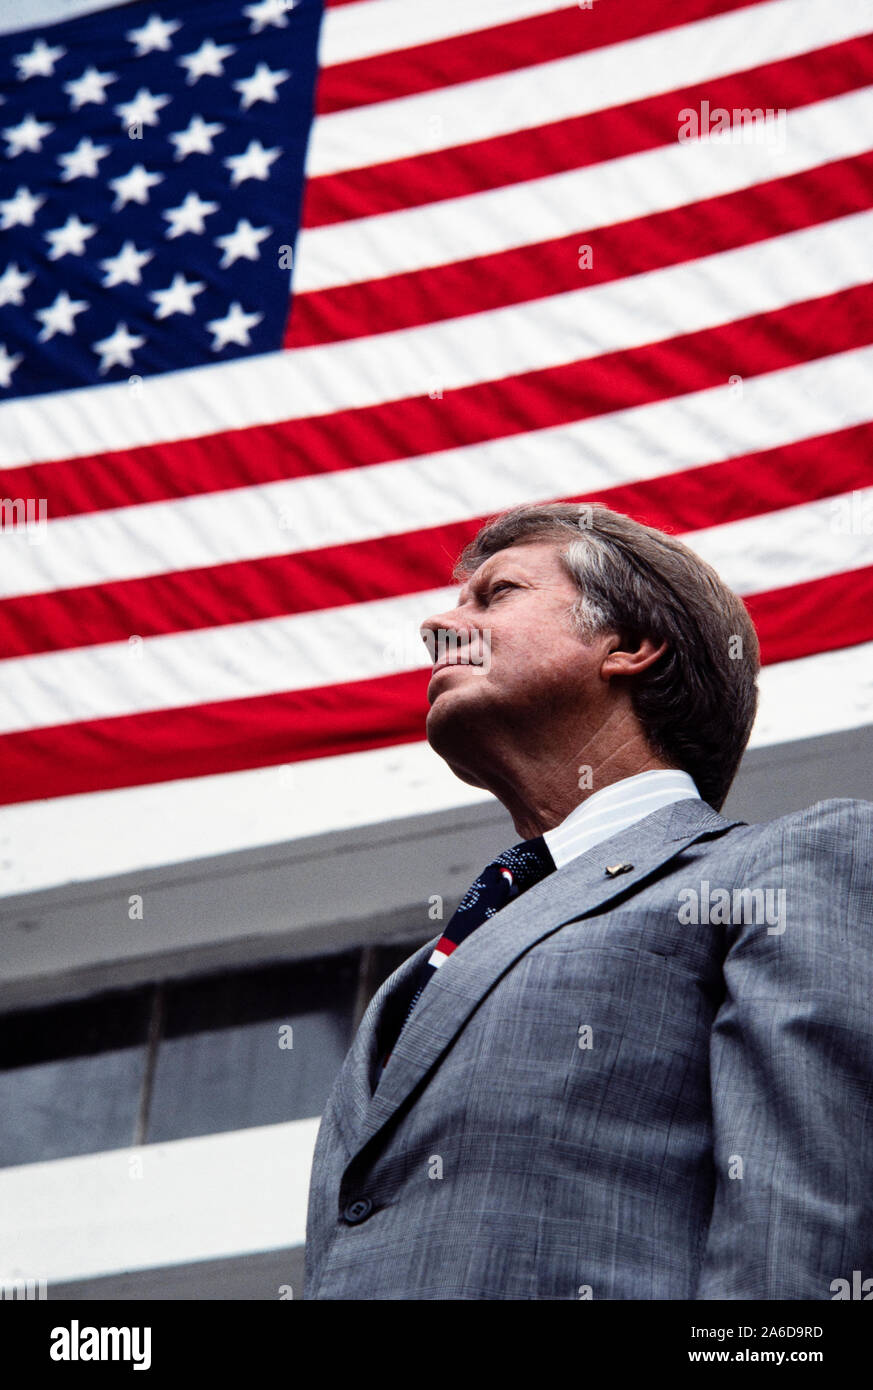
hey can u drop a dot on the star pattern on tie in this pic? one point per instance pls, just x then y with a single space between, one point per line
512 873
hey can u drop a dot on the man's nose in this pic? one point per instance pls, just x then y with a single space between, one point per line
430 630
445 629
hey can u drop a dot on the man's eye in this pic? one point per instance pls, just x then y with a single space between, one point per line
502 584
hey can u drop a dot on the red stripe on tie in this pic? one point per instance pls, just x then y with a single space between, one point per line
445 946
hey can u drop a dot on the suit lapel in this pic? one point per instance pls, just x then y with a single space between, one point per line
579 889
354 1091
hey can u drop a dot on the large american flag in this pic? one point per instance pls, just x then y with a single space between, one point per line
292 302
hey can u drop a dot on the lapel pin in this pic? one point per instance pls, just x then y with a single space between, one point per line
615 869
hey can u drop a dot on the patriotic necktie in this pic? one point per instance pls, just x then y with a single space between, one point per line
505 878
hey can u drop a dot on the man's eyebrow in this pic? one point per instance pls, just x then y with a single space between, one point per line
477 580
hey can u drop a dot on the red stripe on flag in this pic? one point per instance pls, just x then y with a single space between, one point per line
471 415
270 730
824 615
204 739
414 561
628 248
581 140
469 57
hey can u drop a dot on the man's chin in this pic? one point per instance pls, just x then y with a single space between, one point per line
460 770
452 735
464 775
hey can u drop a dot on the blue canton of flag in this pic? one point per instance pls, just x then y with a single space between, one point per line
151 190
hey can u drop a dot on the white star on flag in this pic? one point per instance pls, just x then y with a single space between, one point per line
39 62
241 243
70 239
13 283
143 110
188 216
233 328
253 163
118 348
260 86
7 364
154 36
89 88
27 135
198 137
125 267
20 210
81 163
207 61
133 187
178 298
269 12
60 317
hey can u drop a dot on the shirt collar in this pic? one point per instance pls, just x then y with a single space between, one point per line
614 808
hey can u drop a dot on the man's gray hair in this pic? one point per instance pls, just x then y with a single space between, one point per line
696 704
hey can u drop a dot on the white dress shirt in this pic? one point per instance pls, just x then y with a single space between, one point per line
617 806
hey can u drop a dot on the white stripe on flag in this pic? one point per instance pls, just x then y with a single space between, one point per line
362 30
579 201
130 828
626 446
578 325
586 82
365 640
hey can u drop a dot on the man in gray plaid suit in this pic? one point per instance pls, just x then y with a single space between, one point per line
647 1073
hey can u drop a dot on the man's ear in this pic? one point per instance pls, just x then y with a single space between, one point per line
628 659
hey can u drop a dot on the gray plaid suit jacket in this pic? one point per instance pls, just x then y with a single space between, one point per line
597 1097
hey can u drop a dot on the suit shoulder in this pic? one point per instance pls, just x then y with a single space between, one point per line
818 863
827 847
823 822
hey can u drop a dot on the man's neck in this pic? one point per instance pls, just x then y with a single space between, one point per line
539 799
